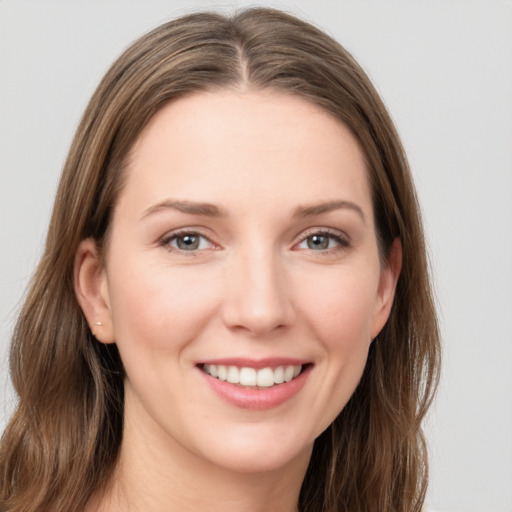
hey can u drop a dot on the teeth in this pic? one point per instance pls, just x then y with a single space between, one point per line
264 378
248 377
233 375
222 372
288 373
279 374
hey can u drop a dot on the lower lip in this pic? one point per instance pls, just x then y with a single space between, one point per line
257 399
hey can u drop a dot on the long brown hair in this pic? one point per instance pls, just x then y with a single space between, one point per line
61 444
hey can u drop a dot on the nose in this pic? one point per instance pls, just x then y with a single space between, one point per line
258 295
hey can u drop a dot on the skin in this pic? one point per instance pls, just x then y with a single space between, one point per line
255 287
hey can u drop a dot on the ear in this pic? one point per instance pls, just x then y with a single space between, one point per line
389 275
91 290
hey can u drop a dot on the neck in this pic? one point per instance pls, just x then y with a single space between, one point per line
158 474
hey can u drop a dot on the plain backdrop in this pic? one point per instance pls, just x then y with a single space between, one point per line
444 68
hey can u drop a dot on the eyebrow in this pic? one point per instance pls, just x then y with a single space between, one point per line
190 207
329 206
211 210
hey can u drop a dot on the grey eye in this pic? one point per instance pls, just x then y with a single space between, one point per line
322 241
318 242
188 242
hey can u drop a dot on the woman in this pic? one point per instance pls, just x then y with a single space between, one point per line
233 309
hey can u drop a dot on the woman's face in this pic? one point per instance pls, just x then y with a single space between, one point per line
243 247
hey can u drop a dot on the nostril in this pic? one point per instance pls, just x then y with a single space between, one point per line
241 314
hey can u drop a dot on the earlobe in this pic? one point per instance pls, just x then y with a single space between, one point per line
91 290
387 287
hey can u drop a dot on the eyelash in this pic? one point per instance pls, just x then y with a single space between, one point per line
342 242
168 239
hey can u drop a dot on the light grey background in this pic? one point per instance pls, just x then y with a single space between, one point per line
444 68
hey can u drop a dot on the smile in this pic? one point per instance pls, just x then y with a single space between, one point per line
252 377
256 384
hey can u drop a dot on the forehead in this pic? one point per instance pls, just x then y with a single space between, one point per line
252 145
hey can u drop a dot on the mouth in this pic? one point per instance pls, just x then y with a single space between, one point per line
253 378
256 384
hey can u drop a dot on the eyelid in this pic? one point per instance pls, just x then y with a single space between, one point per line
165 240
343 239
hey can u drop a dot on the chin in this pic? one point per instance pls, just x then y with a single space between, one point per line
257 452
261 462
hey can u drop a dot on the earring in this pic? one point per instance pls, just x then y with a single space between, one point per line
93 330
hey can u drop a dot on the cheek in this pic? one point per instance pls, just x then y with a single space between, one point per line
334 310
339 310
159 307
340 307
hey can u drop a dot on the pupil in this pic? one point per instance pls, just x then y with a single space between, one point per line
188 242
318 242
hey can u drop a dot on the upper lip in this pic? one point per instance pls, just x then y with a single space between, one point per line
267 362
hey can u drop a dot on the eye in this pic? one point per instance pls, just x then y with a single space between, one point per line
187 242
323 241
